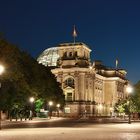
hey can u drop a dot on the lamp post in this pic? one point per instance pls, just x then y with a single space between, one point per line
129 90
58 106
2 69
31 99
50 111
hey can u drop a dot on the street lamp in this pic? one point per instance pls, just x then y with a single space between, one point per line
129 90
58 106
50 112
31 99
2 69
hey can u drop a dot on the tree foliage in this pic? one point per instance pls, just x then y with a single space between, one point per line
24 77
122 105
39 104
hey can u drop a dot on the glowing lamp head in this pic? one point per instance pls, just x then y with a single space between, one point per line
129 89
1 69
58 105
50 103
31 99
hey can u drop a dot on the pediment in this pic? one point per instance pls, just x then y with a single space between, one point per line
68 88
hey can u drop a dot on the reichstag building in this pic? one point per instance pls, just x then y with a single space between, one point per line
90 88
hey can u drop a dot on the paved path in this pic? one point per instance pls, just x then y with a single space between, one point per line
122 131
59 122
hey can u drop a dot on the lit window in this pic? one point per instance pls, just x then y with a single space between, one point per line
69 96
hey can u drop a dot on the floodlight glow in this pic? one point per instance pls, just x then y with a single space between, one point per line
100 106
90 67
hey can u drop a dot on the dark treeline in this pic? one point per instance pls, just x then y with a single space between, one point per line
23 78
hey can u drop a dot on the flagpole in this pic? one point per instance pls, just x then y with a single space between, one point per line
74 34
116 63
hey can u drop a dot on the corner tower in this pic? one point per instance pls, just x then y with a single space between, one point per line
73 55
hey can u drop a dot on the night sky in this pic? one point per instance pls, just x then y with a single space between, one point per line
111 28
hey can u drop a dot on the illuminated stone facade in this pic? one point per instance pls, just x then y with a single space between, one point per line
90 88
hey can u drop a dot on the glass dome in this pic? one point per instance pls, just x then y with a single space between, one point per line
49 57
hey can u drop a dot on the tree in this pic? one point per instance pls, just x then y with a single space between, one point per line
134 99
123 106
24 78
39 105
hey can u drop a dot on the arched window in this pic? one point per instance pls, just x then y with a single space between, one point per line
69 82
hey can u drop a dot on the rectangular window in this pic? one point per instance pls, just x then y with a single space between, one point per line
67 110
